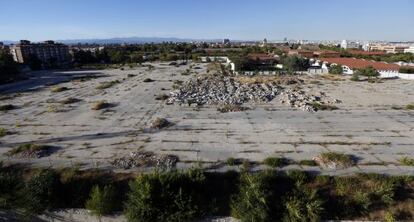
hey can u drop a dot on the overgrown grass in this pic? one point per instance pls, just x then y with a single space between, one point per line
105 85
325 107
231 108
7 107
406 161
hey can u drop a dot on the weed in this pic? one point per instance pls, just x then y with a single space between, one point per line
57 89
29 150
148 80
162 97
105 85
406 161
160 123
276 161
102 104
231 108
409 107
7 107
332 159
319 106
308 163
3 132
69 100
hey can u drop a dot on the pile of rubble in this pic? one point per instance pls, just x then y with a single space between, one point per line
303 100
226 90
146 159
216 89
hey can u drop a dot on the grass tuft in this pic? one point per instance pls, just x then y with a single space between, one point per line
102 104
57 89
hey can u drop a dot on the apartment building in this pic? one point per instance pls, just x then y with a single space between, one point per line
49 53
345 44
388 48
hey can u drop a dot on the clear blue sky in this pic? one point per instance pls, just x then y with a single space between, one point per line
234 19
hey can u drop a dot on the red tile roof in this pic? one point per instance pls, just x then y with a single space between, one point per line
361 63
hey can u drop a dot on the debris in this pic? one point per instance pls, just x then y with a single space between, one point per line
146 159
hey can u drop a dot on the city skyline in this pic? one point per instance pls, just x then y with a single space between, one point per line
237 20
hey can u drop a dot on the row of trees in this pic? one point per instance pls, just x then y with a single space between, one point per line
194 194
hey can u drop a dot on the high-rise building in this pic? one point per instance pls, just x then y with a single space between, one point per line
49 53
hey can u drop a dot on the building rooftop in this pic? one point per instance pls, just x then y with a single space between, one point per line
360 52
362 63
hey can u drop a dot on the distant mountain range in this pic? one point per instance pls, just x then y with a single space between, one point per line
129 40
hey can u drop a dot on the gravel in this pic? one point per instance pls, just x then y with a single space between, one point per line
146 159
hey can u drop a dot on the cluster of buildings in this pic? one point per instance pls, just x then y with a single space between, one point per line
378 47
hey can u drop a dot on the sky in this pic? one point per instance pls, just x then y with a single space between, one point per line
37 20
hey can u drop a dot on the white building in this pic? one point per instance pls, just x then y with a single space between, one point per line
350 45
409 50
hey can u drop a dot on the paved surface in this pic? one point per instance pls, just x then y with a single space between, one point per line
365 126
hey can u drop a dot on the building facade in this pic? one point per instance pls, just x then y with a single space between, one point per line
388 48
350 45
49 53
409 50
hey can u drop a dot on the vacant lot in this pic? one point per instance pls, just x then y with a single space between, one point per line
372 124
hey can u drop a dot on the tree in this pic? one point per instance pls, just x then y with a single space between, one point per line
102 201
8 67
252 201
295 63
41 192
368 72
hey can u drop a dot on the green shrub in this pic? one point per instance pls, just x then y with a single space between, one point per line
172 196
355 77
319 106
7 107
41 192
252 202
10 185
303 205
335 69
276 161
102 201
3 132
340 159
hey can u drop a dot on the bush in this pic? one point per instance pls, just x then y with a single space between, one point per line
102 201
368 72
69 100
303 205
276 161
409 107
335 69
252 201
409 70
308 163
10 185
170 196
29 150
41 192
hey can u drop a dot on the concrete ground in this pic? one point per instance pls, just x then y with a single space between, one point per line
366 125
